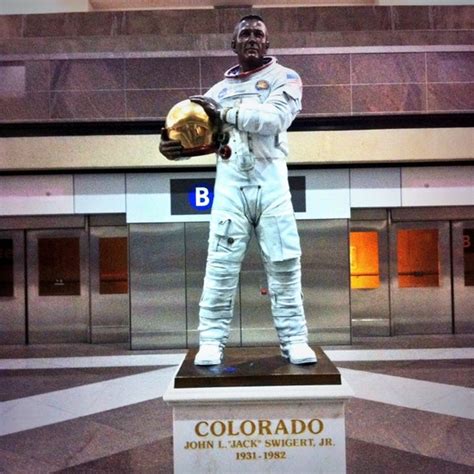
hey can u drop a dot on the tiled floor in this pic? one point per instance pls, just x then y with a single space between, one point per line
100 408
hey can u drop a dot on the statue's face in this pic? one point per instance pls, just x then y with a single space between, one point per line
250 43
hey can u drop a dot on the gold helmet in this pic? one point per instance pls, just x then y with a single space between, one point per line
188 123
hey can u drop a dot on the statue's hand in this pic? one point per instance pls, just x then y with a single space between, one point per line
171 149
211 107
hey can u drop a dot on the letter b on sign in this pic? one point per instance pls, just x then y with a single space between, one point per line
202 196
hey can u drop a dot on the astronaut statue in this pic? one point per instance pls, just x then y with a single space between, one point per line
254 106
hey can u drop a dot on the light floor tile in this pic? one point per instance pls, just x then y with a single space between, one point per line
90 362
62 405
400 354
435 397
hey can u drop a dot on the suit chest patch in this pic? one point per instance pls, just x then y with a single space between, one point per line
262 85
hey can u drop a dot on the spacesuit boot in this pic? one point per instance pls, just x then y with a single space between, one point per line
209 354
298 353
284 281
216 310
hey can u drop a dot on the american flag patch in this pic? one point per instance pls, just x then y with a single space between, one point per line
293 78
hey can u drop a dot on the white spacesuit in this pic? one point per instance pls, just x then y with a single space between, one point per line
251 195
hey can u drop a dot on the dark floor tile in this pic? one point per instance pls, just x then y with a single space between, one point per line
69 443
25 383
412 431
156 458
151 420
365 458
388 98
458 372
388 68
13 463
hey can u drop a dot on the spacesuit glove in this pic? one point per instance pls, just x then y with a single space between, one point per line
171 149
211 107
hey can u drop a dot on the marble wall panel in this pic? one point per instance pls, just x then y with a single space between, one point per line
37 75
36 26
411 18
159 73
213 69
154 103
97 24
10 26
87 74
398 98
227 18
451 97
86 105
170 22
25 107
321 69
459 17
450 67
388 68
343 18
326 100
24 76
275 19
73 24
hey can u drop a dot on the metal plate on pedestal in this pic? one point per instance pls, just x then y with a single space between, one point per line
256 367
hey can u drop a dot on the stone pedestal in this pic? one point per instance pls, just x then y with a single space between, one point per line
255 413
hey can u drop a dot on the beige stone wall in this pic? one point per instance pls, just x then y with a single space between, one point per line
330 147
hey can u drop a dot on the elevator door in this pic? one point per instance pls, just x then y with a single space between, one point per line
58 286
324 280
463 276
109 284
12 287
370 301
420 278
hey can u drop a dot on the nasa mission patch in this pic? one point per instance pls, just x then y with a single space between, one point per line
262 85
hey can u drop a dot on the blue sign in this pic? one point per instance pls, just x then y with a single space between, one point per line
191 196
200 197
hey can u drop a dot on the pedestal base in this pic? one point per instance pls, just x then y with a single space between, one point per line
277 428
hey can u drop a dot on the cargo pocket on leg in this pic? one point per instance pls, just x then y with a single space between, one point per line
278 238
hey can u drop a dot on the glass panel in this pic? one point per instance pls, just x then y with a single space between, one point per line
113 266
364 256
6 267
418 260
59 266
468 235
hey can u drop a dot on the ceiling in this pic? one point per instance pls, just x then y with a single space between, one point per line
175 4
